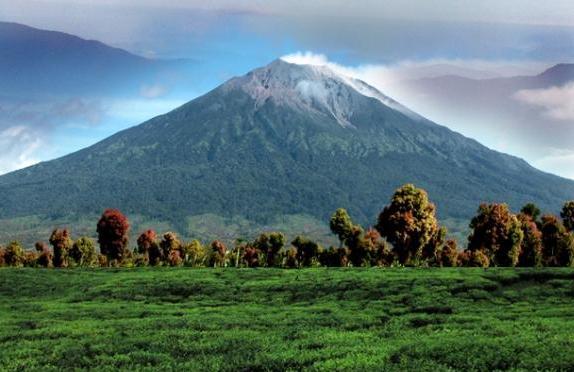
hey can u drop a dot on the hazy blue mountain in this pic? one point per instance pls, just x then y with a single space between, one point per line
283 140
39 62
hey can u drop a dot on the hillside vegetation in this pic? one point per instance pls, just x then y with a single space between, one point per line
270 319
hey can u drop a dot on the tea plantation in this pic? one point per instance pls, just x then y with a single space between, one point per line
275 319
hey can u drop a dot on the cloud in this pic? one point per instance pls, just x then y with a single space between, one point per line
557 102
19 145
558 161
500 123
26 127
153 91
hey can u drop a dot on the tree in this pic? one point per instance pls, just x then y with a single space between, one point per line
195 253
113 228
251 256
270 245
408 223
170 243
219 251
531 247
448 255
83 252
497 233
61 244
531 210
307 250
553 232
567 215
148 247
44 255
14 254
341 225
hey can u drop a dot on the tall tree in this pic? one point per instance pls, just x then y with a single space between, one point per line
531 247
497 233
557 242
113 228
44 255
307 250
341 225
219 250
147 247
61 243
409 223
567 215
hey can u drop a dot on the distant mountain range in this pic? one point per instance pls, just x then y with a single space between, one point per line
38 62
534 110
281 147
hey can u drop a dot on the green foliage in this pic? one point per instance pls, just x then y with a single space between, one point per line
396 319
307 251
567 215
341 225
14 254
83 252
531 210
409 223
497 233
531 247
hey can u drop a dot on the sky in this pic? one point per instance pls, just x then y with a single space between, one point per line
382 42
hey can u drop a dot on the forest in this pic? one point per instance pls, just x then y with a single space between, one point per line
406 233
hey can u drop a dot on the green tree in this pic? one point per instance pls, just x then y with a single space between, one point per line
531 247
14 254
341 225
307 250
531 210
497 233
554 241
61 244
409 223
567 215
195 253
83 252
270 245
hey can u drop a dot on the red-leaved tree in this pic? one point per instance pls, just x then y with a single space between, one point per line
113 228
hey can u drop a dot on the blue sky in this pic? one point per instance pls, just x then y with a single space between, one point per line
375 40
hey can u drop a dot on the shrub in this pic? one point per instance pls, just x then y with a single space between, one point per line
14 254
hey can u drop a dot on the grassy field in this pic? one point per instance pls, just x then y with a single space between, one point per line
267 319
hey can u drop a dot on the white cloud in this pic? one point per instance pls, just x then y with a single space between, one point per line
19 145
557 102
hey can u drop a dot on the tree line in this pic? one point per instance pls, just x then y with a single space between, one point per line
407 233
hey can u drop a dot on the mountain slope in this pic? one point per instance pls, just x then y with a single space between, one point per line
284 139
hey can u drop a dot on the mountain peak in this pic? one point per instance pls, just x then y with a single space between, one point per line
312 88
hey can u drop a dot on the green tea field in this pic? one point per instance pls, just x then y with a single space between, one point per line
274 319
